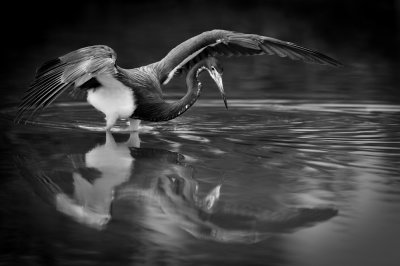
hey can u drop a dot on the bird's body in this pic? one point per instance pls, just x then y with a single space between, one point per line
112 98
137 93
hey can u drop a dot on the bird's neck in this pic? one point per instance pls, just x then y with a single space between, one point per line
193 92
162 111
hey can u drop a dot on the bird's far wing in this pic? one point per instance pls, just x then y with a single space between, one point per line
228 43
70 70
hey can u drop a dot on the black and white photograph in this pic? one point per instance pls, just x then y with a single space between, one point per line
199 132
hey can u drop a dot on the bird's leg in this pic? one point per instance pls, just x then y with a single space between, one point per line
111 119
133 124
110 141
134 140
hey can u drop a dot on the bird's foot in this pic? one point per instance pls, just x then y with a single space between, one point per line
134 126
138 129
145 128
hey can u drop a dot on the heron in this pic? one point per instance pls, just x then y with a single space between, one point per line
136 94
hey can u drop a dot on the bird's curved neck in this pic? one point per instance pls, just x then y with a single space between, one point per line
193 91
163 111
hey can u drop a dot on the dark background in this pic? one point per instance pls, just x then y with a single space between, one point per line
362 34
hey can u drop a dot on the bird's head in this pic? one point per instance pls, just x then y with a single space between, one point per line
215 70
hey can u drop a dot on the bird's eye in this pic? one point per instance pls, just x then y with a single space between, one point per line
212 68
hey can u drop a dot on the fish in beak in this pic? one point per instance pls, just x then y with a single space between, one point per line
216 76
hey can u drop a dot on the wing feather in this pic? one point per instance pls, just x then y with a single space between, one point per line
228 43
57 75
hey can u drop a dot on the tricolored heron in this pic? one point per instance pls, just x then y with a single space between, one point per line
136 93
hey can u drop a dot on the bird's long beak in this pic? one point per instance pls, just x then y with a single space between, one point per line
216 76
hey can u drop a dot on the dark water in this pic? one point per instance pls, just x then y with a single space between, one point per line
303 169
267 183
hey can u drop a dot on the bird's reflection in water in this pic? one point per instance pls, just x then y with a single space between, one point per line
102 169
95 175
163 196
209 217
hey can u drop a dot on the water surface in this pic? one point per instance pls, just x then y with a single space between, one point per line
266 183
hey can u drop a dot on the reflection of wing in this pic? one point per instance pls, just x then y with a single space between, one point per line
220 234
209 218
270 221
156 155
244 227
42 184
292 218
81 214
49 191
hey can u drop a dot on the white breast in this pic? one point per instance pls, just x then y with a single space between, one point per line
113 98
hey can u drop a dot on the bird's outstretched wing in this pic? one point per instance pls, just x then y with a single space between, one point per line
228 43
71 70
